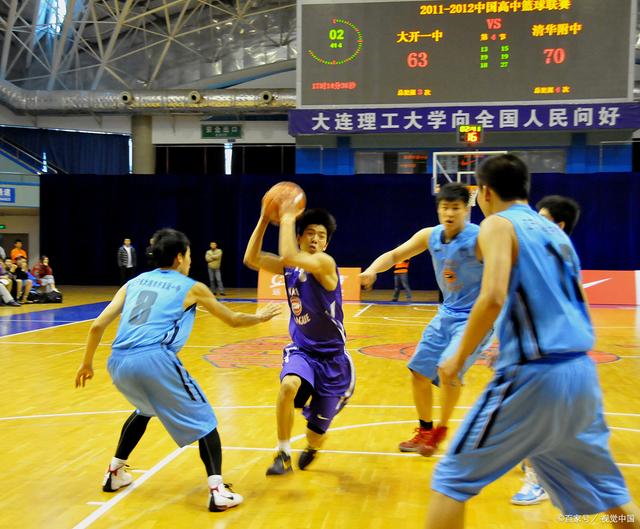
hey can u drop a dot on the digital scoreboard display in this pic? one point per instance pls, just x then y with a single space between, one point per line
395 53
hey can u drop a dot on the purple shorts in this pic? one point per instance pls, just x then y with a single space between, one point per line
329 381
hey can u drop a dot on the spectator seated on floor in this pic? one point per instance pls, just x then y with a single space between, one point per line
5 295
5 277
24 283
44 275
10 270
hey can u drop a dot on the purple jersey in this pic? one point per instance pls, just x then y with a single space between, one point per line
316 314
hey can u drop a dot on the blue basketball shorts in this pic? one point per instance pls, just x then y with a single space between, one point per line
328 381
157 384
549 411
440 341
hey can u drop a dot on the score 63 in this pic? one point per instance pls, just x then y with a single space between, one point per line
418 59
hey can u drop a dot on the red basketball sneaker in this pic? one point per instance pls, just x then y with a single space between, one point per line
436 436
420 438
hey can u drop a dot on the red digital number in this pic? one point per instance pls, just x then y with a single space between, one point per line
554 55
418 59
472 137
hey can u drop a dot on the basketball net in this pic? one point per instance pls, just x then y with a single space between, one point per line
473 194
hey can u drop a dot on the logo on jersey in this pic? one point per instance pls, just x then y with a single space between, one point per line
449 275
296 305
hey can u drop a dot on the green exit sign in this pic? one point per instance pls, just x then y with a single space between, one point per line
221 131
3 226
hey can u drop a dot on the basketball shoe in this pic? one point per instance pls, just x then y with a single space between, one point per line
531 492
116 478
306 457
281 465
223 498
435 437
413 445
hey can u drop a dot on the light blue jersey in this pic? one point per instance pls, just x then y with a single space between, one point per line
144 365
153 312
544 402
457 268
544 293
459 274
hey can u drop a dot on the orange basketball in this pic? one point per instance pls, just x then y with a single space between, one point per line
283 193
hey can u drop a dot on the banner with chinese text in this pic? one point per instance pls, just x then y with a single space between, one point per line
501 118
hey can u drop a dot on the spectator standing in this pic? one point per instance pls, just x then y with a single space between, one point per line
127 261
214 260
148 255
401 280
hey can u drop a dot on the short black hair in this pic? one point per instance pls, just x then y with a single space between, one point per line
317 216
561 209
167 245
453 191
507 175
17 240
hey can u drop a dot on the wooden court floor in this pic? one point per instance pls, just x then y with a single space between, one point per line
56 441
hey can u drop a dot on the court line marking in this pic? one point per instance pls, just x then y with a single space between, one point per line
363 310
269 406
46 328
66 352
361 452
128 490
173 455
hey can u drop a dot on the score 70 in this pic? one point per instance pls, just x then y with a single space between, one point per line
554 55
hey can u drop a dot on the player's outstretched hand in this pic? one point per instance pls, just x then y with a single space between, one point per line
269 311
84 373
367 279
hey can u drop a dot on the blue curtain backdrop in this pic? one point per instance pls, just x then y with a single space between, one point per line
84 219
74 152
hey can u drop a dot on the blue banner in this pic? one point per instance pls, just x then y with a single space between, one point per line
7 194
604 116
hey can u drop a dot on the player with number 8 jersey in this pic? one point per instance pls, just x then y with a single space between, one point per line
157 312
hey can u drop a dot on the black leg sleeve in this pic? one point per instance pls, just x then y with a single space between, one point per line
211 453
132 431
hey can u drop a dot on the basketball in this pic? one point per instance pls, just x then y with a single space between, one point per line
282 193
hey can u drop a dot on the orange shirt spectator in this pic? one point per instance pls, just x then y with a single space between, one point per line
18 250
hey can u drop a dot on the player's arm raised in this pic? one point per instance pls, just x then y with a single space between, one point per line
254 257
96 331
417 244
498 248
201 294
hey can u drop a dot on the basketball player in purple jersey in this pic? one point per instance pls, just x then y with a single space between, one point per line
316 365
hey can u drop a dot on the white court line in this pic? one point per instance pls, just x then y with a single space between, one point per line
401 320
30 320
128 490
264 407
45 328
361 311
66 352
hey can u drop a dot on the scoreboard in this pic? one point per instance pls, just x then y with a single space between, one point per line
435 52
